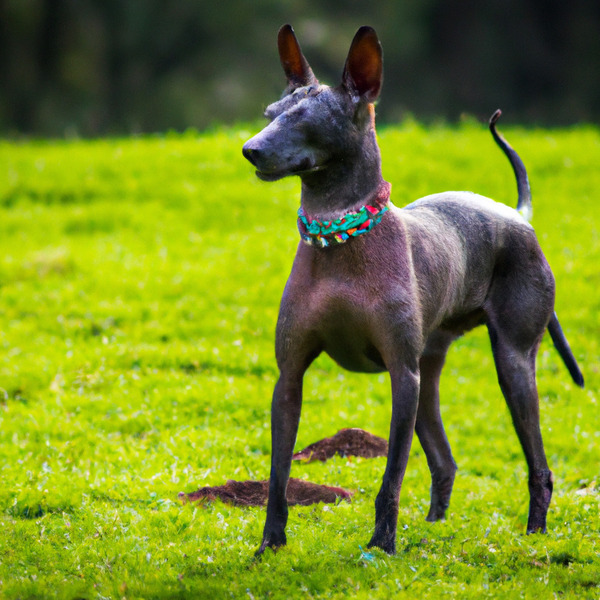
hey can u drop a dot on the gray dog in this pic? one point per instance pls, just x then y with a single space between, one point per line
385 289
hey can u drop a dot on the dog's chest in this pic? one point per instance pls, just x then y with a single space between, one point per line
350 312
350 333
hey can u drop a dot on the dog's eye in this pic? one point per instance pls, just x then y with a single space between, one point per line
303 92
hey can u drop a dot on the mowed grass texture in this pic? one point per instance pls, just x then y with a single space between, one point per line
139 287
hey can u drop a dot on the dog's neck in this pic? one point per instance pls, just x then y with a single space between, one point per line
346 185
323 234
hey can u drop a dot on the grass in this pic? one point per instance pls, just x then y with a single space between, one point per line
139 288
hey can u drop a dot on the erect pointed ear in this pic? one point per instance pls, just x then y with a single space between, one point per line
363 71
297 70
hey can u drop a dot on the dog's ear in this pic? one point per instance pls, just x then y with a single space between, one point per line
363 72
297 70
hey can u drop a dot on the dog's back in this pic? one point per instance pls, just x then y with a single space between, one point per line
461 243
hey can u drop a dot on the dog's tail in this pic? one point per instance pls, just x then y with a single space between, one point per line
526 210
524 202
561 344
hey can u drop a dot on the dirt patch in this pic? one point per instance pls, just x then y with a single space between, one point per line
346 442
254 493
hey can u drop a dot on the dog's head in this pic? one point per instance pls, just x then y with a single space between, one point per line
312 124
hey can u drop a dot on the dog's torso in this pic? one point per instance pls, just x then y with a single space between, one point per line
424 268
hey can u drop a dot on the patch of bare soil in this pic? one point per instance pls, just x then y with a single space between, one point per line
254 493
346 442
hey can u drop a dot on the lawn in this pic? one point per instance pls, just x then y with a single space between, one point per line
139 286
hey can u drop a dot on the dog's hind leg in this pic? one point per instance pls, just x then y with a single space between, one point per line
516 375
429 426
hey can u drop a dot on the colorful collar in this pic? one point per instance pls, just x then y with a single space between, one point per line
330 233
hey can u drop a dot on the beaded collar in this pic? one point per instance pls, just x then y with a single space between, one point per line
331 233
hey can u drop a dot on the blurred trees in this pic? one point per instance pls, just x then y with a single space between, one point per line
96 67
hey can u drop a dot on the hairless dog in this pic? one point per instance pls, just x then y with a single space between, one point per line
380 288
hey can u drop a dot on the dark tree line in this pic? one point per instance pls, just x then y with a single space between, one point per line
95 67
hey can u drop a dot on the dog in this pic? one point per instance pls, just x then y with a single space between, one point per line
380 288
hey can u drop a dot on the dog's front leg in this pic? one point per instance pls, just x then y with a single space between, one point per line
405 393
285 416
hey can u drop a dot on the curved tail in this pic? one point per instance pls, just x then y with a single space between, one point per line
524 202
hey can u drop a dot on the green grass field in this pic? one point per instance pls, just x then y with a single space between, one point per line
139 287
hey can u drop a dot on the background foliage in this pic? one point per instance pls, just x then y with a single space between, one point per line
139 287
92 67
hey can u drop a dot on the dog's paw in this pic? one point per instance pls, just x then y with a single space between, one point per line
271 541
536 528
386 544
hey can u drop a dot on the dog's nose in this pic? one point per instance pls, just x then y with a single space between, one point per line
251 154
